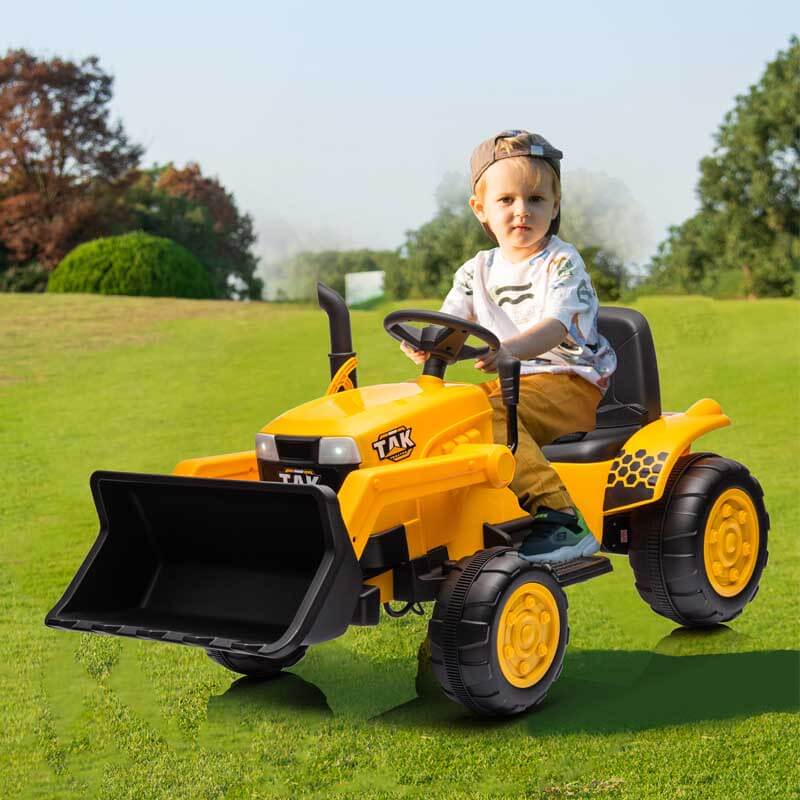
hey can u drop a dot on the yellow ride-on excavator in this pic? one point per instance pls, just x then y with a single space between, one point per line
396 493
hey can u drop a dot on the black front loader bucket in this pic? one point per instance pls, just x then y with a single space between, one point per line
238 566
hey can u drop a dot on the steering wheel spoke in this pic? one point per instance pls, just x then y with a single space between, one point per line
473 352
407 334
443 337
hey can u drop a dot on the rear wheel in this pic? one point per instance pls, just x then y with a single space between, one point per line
498 633
254 666
698 555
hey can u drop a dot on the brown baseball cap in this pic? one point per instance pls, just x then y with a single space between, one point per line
532 145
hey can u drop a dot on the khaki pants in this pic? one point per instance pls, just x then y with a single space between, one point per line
549 406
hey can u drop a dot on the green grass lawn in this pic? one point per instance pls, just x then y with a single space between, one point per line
643 709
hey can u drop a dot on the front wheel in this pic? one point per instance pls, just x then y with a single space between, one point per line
498 633
254 666
698 555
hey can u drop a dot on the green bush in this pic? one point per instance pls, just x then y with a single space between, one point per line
30 277
133 264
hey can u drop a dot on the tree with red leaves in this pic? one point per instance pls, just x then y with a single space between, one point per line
63 165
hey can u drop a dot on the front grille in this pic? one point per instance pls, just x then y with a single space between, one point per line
298 448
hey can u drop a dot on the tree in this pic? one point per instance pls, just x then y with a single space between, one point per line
198 213
63 164
607 271
746 234
434 251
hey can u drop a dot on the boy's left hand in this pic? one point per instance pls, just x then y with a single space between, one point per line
488 363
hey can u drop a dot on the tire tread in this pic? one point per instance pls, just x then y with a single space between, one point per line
466 670
666 575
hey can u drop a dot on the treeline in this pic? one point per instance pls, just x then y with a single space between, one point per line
69 176
745 238
743 241
424 265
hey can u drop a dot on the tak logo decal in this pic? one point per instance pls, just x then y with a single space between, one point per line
301 476
395 444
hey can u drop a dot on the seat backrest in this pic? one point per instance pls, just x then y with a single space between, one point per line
633 396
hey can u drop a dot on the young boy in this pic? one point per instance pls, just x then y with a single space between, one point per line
534 293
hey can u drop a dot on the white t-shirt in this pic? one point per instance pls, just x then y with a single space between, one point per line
552 284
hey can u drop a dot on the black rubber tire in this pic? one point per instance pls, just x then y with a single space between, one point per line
462 632
255 666
666 550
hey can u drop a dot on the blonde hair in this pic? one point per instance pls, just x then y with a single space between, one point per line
533 167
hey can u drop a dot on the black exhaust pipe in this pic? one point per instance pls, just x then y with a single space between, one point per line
334 306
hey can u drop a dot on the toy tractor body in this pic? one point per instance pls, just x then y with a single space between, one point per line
397 493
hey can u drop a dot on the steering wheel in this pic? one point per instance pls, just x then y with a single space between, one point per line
444 337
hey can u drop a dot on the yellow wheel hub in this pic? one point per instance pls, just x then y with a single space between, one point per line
730 545
527 634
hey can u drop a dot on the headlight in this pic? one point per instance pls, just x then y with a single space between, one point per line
338 450
266 449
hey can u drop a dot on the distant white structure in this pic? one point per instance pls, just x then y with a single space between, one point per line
362 286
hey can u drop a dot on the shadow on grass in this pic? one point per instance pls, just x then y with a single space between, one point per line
332 680
673 690
281 696
691 677
251 703
687 679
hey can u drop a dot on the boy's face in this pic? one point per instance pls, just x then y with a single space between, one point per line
517 205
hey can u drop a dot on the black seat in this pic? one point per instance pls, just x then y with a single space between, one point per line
633 398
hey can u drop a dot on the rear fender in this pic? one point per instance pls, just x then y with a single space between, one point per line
639 472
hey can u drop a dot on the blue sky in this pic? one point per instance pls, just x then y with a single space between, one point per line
333 123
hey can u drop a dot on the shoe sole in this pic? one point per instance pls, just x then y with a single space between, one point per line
586 547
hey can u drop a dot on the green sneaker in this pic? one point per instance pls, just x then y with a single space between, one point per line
557 537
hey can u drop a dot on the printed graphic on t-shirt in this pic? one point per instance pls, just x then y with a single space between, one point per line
584 294
513 295
508 298
463 280
564 269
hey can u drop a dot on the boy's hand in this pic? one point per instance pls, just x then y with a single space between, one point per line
488 363
417 356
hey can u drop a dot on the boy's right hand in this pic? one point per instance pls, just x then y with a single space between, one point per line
417 356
